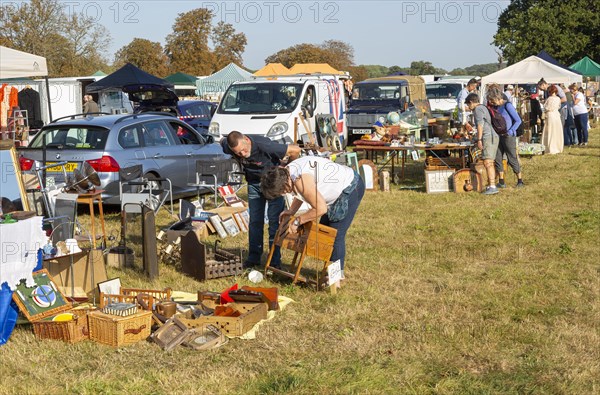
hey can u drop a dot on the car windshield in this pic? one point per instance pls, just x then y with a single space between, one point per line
443 90
196 110
269 98
376 92
71 137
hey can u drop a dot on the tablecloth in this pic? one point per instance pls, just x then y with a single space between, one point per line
19 243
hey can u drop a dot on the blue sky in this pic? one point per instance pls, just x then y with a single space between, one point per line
449 34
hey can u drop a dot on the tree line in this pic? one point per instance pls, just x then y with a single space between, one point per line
76 44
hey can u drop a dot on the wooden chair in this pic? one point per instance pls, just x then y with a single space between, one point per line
313 240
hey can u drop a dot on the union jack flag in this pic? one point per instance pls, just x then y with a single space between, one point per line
336 103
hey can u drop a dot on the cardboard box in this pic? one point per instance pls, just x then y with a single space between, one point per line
87 271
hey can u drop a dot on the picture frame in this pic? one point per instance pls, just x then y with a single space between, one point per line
110 287
11 179
230 226
438 181
369 174
215 220
240 222
42 300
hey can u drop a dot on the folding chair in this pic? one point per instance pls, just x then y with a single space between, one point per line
211 175
137 190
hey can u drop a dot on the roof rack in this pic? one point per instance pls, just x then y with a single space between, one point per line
135 116
82 115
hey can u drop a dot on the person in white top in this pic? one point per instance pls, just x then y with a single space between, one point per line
333 191
580 113
460 100
510 95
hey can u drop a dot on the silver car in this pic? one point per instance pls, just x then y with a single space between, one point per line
165 147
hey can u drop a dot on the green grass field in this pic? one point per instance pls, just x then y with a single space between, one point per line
445 294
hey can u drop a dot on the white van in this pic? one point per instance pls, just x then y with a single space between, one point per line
271 107
442 94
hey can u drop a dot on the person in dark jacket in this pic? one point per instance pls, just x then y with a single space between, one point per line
256 154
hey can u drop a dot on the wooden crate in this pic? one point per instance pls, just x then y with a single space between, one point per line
68 331
251 313
433 163
119 331
316 238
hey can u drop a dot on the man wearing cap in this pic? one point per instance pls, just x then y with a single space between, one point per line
462 96
509 95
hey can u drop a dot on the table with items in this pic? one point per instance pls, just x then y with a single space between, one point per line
458 154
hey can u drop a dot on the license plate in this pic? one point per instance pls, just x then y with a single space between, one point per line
361 131
69 167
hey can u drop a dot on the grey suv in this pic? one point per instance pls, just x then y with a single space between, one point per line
165 147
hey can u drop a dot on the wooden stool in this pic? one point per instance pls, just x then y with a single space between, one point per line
90 198
312 239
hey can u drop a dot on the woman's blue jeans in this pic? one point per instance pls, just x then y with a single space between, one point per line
256 206
339 245
581 121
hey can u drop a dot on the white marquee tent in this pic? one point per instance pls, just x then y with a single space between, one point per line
530 71
17 64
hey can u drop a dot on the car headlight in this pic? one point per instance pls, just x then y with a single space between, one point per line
213 129
277 130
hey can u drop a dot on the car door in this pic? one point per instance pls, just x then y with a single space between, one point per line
195 147
165 151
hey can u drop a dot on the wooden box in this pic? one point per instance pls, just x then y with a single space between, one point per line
317 239
251 313
119 331
437 181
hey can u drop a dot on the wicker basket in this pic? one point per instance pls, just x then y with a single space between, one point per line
68 331
119 331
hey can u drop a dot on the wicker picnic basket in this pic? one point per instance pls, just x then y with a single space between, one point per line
119 331
71 331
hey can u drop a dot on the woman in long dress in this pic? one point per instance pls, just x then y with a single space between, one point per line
553 138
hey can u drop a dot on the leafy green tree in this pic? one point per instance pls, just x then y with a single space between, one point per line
301 53
422 67
341 54
358 73
375 70
72 43
337 54
567 30
228 45
145 54
398 69
187 46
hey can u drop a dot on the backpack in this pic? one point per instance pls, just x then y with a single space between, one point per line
498 121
